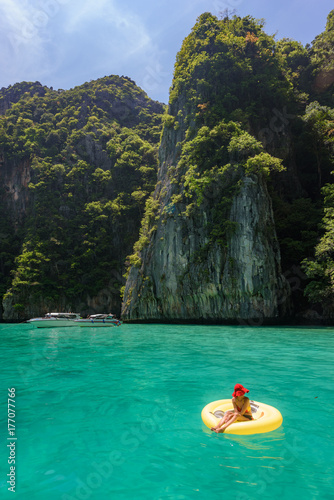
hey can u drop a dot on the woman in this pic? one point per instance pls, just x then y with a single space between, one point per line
242 410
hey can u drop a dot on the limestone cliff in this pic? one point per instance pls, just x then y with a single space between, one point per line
240 280
76 168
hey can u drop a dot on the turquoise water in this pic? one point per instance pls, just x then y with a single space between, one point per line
115 413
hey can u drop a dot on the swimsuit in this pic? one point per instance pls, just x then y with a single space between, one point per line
247 413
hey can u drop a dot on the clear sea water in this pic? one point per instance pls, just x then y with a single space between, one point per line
116 413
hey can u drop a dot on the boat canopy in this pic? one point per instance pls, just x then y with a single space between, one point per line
63 315
101 316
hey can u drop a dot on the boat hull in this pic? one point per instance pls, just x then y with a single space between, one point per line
51 323
54 320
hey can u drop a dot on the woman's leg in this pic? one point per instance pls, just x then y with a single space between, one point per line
230 421
223 420
234 417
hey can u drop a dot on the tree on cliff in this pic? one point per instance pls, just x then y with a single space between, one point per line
322 59
320 271
231 67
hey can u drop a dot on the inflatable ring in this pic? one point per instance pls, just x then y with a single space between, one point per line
266 418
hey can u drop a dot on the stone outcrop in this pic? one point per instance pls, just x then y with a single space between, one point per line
15 178
243 281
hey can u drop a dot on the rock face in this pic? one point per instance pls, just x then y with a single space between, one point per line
15 179
241 280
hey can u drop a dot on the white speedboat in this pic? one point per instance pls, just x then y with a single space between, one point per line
51 320
97 320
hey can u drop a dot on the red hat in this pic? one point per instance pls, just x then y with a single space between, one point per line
239 390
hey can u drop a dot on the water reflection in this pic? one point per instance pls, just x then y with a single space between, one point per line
251 442
257 441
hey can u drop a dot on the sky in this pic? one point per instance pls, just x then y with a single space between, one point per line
65 43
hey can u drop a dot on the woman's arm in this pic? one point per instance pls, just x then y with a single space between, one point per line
244 406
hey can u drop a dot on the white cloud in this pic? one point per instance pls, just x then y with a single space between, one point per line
113 39
23 54
84 16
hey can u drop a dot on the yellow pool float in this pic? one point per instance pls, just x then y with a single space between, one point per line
266 418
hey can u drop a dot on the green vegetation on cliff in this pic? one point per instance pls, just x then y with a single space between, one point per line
228 69
92 155
320 271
